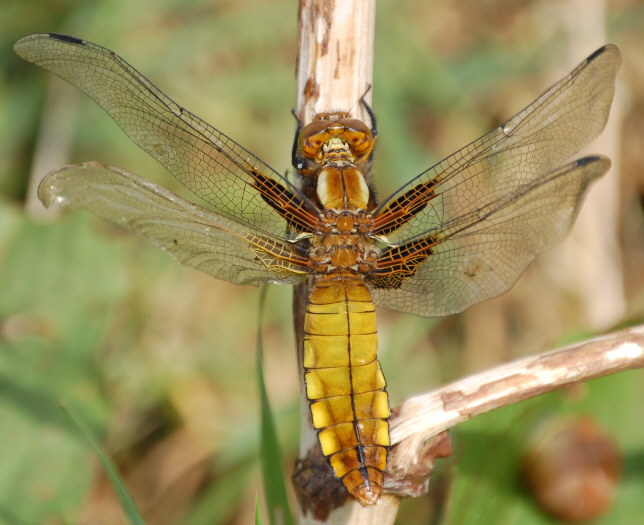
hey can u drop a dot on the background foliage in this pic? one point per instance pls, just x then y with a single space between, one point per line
159 359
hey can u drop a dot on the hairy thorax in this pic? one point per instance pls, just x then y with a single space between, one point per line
335 149
344 195
343 247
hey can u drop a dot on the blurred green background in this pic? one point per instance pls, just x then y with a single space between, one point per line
159 359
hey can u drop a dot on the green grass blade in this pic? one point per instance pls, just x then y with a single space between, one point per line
272 472
126 500
258 516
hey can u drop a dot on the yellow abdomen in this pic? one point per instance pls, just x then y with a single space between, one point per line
345 384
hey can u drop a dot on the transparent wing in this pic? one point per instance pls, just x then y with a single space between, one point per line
209 163
488 255
508 160
192 235
465 230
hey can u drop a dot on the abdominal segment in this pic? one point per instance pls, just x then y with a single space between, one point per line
345 384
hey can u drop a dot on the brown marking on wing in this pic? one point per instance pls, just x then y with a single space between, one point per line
287 204
404 208
400 263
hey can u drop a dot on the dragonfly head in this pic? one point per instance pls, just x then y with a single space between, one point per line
332 131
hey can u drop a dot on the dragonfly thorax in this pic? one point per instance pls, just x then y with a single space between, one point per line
342 252
343 245
342 189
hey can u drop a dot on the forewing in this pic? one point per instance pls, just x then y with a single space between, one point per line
489 253
209 163
509 159
192 235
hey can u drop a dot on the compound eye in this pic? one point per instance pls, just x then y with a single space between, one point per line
357 134
313 136
313 144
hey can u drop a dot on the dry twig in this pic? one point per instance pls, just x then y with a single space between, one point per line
426 415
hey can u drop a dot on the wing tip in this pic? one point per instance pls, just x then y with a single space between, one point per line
23 47
48 191
53 186
602 160
607 49
24 41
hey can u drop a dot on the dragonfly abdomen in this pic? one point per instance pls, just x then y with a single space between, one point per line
345 385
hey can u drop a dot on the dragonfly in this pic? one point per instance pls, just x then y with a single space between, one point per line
461 232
